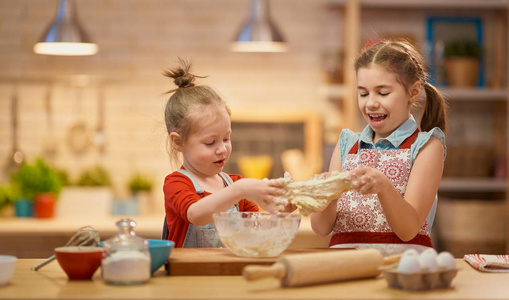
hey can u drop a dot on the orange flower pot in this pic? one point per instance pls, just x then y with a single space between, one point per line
44 205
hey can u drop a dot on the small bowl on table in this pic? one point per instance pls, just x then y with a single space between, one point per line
79 262
7 264
256 234
159 252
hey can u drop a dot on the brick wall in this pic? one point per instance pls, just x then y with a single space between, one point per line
138 39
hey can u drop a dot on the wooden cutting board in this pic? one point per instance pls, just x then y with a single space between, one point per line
219 261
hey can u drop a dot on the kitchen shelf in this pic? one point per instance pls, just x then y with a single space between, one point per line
474 94
439 4
473 184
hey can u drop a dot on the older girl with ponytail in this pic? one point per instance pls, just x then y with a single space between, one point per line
395 163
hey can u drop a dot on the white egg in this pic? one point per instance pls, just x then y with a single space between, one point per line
409 264
430 251
410 252
446 261
428 261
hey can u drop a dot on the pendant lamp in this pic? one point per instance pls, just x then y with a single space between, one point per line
64 35
259 33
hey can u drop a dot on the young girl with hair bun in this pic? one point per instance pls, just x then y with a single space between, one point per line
199 127
394 164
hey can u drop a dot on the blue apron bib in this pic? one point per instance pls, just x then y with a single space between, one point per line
205 236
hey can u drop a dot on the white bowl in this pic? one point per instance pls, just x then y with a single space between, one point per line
7 264
256 234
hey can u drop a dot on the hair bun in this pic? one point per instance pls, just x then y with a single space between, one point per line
184 79
181 75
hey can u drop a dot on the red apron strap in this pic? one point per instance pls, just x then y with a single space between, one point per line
354 148
409 140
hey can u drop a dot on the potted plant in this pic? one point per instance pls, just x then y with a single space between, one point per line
91 196
94 176
140 187
37 183
462 61
8 196
139 183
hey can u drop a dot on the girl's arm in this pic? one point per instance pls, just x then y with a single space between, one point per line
406 215
322 222
261 192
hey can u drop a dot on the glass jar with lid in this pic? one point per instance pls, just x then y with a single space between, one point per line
126 259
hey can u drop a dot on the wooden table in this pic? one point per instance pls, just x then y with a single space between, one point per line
51 282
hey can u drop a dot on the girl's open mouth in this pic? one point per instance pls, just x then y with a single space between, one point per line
220 162
377 117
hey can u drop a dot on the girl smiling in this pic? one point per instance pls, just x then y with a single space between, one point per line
395 166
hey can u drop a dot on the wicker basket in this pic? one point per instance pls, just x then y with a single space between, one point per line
471 226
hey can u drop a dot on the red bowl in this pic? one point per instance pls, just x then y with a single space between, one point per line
79 262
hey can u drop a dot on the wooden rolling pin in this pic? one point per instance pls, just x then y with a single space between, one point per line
322 267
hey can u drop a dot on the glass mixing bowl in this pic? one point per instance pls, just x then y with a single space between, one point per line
256 234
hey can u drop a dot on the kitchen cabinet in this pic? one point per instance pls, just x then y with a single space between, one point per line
486 178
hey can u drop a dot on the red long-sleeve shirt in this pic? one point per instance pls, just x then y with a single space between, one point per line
179 194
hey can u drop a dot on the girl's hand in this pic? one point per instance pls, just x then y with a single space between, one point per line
287 207
262 192
367 180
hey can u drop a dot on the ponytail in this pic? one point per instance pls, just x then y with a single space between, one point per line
435 110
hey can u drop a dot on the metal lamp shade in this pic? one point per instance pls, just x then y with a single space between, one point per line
65 36
259 33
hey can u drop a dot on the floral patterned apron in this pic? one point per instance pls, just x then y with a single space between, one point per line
360 218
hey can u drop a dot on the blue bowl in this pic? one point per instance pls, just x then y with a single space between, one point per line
159 252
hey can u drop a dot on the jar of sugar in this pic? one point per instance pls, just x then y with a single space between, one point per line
126 259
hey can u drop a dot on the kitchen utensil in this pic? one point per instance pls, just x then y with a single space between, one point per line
221 262
49 147
78 137
79 262
256 234
323 267
16 157
99 138
84 236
